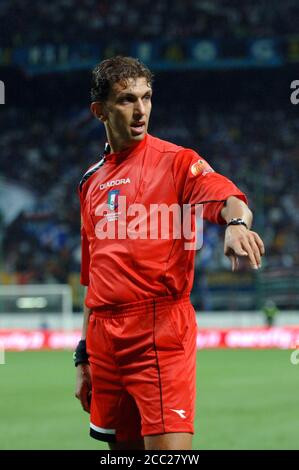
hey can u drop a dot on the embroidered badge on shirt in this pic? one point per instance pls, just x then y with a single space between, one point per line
113 199
201 167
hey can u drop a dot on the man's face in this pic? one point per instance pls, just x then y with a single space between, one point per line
127 111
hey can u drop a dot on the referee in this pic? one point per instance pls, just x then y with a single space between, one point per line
136 359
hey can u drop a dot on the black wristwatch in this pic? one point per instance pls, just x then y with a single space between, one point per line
236 221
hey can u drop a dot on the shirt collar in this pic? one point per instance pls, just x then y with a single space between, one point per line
124 154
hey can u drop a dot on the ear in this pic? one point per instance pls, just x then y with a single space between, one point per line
97 109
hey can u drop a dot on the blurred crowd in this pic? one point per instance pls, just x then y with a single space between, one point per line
48 153
25 22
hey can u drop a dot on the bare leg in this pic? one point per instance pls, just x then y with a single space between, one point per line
169 441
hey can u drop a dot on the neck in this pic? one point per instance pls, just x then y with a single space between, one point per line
120 147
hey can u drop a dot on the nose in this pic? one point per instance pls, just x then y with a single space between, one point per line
139 109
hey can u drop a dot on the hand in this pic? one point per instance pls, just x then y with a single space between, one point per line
83 386
239 241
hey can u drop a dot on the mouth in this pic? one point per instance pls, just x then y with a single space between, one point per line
138 127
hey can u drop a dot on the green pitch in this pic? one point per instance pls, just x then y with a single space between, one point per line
246 399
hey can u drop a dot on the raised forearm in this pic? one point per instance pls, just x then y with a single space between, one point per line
236 208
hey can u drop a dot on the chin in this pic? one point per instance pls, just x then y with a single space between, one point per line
138 138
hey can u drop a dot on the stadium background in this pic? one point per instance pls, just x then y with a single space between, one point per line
223 71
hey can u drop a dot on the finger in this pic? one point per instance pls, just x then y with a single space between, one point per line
237 250
256 251
85 399
251 256
259 242
85 402
234 262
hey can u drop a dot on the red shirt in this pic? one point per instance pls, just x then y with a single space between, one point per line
126 268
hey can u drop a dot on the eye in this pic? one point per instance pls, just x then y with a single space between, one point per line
125 100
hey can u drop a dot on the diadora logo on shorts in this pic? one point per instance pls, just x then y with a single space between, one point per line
110 184
181 413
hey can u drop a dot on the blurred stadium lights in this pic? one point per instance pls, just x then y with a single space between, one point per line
188 53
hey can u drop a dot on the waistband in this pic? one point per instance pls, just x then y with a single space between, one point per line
142 306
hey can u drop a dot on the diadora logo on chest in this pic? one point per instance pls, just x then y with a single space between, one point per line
110 184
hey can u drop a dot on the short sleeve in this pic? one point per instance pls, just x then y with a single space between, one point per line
197 183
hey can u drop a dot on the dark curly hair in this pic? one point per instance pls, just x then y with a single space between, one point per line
113 70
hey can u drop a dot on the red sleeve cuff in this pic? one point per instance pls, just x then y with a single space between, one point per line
218 217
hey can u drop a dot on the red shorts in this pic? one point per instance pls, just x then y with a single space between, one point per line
142 359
